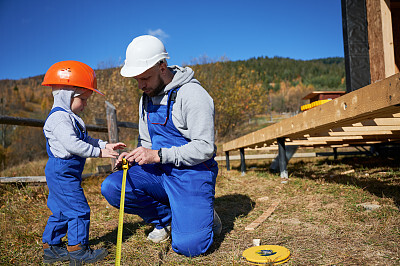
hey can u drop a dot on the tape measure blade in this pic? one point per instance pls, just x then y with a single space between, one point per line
121 219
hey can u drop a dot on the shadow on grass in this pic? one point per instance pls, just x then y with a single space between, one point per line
377 175
110 239
229 208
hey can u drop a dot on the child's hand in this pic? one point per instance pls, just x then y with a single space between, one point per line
108 153
115 146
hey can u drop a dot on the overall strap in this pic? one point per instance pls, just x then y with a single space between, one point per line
171 100
172 94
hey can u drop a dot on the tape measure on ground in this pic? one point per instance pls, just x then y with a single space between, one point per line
266 254
121 213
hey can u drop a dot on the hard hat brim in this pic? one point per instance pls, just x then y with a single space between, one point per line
129 72
99 92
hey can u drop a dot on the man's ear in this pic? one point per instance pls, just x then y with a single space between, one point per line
163 67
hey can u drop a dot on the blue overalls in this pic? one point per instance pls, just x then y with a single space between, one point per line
66 200
163 193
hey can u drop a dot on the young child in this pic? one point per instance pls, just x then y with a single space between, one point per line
68 146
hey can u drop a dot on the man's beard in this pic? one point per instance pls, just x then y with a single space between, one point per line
159 88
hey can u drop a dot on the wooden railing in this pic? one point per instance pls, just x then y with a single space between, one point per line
111 128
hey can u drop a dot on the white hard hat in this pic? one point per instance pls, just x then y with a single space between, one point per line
142 54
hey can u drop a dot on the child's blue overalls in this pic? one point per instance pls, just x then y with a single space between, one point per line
163 194
66 200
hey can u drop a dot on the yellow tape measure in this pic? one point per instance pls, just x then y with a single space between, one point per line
121 213
266 255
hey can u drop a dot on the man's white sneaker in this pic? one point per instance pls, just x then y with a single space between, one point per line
159 235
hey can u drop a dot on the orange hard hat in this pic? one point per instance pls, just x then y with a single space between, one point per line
71 73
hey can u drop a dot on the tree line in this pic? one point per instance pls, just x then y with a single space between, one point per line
242 90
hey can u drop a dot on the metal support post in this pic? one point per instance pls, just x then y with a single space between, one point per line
228 166
282 158
242 161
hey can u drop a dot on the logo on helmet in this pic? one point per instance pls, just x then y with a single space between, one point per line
64 73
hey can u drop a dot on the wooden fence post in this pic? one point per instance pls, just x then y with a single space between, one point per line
112 126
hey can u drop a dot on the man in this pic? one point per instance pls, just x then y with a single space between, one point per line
171 181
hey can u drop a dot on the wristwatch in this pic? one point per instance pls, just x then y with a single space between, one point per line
160 155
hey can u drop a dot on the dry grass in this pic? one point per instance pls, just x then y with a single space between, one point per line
318 218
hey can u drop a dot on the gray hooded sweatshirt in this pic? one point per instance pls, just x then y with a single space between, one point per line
59 130
193 116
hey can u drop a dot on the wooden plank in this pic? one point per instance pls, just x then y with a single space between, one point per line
375 40
361 133
368 128
263 217
380 39
23 179
368 102
379 122
32 179
265 156
387 33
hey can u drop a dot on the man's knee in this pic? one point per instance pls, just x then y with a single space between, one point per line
111 191
192 245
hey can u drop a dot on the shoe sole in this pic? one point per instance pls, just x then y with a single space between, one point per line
75 262
52 260
157 242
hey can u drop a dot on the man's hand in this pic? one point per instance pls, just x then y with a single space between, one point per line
139 155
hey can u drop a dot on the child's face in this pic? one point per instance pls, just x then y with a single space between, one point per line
79 103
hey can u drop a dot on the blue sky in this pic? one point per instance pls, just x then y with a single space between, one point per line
36 34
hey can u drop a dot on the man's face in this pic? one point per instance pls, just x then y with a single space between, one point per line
150 81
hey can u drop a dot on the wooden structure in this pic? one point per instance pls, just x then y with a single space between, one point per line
320 97
323 95
364 116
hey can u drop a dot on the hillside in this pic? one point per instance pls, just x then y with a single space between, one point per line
244 93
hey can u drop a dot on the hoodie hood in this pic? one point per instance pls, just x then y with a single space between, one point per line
63 97
182 76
